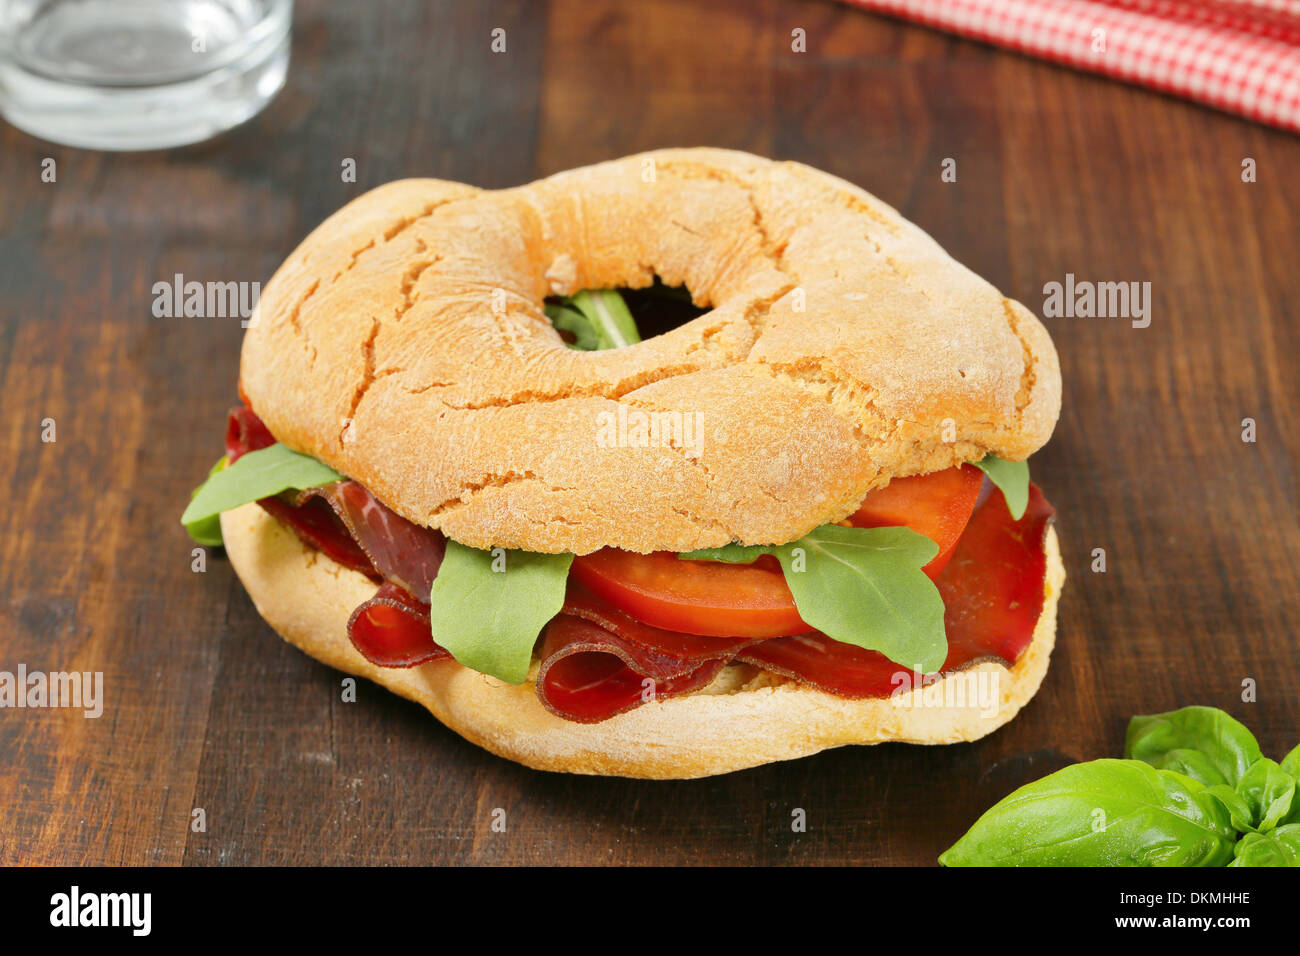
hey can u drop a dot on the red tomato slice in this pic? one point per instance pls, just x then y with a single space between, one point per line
752 600
694 597
937 505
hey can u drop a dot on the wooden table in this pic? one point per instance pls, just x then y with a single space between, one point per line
1058 173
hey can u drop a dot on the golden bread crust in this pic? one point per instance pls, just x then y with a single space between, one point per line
404 344
739 722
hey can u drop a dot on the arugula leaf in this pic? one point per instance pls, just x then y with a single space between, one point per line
1281 847
729 553
1229 746
489 606
860 586
1268 791
598 319
258 474
207 531
1101 813
571 320
1012 479
865 586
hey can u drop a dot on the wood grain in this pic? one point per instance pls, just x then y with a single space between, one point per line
1058 173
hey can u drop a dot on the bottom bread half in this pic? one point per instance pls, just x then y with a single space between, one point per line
745 718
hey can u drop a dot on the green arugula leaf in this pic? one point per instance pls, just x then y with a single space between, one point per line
865 586
729 553
598 319
1101 813
207 531
1268 791
1012 479
258 474
1229 746
1280 847
571 320
860 586
488 607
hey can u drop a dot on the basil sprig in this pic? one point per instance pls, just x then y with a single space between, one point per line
1193 790
487 607
598 319
258 474
860 586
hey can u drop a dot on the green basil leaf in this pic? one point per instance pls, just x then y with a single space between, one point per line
1101 813
1291 762
1228 744
1280 847
1269 791
488 607
598 319
1191 763
860 586
258 474
1012 479
1239 811
207 530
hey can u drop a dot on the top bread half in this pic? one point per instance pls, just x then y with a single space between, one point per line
404 344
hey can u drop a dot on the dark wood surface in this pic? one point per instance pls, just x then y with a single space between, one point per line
1057 172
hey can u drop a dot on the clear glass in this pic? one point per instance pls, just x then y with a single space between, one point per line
139 74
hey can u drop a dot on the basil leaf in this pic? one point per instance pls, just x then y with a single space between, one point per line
1239 811
1012 479
1192 763
489 606
860 586
1268 791
1281 847
207 531
598 319
1291 762
1230 747
258 474
1101 813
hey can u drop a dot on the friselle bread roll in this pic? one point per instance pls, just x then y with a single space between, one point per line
404 344
744 719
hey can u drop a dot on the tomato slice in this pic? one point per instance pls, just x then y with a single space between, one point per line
752 600
937 505
694 597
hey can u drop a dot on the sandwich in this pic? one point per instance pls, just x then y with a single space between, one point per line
665 467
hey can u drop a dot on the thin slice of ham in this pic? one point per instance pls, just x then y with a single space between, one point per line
392 630
992 593
348 524
589 674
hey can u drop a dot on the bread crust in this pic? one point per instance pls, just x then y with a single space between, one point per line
747 719
404 344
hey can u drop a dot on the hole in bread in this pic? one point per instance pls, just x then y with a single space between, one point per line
658 308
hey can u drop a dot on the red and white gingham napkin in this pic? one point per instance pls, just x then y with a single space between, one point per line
1242 56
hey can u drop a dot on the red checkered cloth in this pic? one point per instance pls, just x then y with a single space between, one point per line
1242 56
